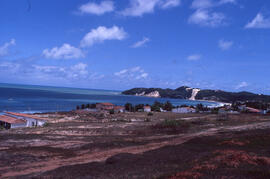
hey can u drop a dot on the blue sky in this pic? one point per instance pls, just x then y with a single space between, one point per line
108 44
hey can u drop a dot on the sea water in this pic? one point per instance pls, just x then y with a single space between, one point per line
32 99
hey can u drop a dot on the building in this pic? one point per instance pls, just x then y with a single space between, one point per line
29 119
119 109
184 110
147 108
253 110
104 106
222 111
8 122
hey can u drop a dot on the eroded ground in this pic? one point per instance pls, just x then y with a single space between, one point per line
135 145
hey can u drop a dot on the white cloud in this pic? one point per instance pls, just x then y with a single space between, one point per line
259 22
170 4
141 43
206 18
205 4
98 9
227 1
225 45
9 67
204 15
142 76
202 4
101 34
78 71
136 73
66 51
242 85
194 57
136 69
4 48
120 73
141 7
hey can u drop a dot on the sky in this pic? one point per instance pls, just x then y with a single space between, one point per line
117 45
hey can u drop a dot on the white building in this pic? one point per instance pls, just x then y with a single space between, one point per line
119 109
30 120
147 108
9 122
184 110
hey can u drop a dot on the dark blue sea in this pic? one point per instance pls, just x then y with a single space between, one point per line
31 99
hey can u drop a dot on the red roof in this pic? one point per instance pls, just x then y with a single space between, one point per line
147 107
107 104
253 110
119 107
11 120
24 115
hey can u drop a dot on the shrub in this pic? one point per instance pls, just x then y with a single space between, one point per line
111 111
150 114
83 106
46 124
147 120
223 117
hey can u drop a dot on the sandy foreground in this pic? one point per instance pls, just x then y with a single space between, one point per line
135 145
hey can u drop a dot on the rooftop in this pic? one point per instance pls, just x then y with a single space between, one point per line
119 107
11 120
107 104
24 115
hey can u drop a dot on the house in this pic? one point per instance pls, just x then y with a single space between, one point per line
119 109
104 106
9 122
253 110
184 110
29 119
222 111
162 110
147 108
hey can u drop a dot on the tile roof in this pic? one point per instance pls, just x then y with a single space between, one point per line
11 120
107 104
24 115
119 107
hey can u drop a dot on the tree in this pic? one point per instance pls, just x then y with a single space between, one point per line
83 106
93 106
199 107
168 106
88 106
139 107
78 107
128 107
156 106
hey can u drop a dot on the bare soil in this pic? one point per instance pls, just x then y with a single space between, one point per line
134 145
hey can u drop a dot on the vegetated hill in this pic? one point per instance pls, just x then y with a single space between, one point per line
185 92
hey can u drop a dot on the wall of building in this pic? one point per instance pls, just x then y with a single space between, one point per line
13 126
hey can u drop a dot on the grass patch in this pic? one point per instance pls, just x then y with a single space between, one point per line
171 124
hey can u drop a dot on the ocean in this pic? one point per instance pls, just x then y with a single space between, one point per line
36 99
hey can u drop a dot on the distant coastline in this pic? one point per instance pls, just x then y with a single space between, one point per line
189 93
30 99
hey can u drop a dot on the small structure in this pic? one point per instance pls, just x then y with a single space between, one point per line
147 108
30 120
104 106
222 111
253 110
162 110
119 109
8 122
184 110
